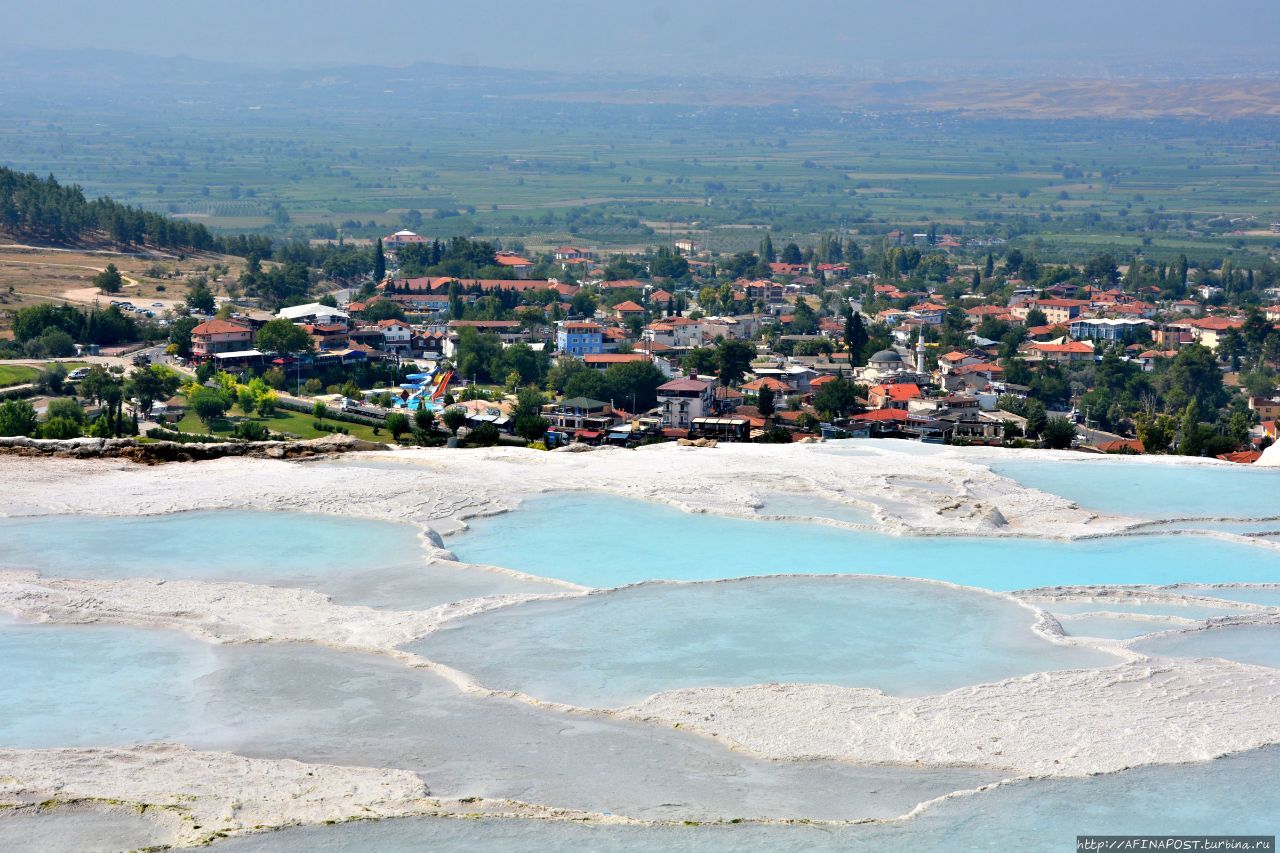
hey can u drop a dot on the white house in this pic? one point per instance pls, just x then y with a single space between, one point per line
396 336
316 314
682 400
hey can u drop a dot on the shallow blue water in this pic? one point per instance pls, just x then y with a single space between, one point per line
1234 795
1154 490
903 637
1267 596
1254 644
90 685
194 544
787 505
69 829
356 560
604 541
1111 628
106 686
1147 608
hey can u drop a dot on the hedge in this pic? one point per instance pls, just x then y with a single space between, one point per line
183 437
331 414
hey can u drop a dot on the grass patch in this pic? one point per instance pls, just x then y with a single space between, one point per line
295 423
16 374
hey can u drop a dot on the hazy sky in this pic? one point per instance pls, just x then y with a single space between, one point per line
739 36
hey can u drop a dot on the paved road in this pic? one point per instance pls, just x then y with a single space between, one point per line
126 361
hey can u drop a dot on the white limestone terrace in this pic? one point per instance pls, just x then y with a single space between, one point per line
1074 722
1077 722
197 797
939 494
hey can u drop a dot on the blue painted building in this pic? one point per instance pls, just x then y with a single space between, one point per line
579 338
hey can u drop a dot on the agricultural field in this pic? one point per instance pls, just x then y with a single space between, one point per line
540 163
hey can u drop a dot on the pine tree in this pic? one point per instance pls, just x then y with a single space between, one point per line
977 280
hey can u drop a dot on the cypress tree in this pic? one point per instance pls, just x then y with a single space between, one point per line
379 261
766 250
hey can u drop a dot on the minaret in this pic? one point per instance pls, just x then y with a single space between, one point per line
920 354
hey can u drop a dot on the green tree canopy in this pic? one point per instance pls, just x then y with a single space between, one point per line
837 398
209 404
17 417
109 280
282 336
733 360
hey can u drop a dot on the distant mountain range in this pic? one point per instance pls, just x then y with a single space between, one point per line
112 76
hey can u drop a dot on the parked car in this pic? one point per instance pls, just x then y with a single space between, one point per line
78 373
141 359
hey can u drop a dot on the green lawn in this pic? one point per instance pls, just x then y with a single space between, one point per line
19 374
294 423
16 374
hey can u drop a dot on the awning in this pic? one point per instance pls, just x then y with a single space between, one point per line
588 433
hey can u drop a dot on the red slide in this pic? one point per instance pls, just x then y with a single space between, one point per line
442 386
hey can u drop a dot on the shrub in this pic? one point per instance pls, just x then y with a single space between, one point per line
251 431
17 417
398 424
60 427
65 407
777 435
485 435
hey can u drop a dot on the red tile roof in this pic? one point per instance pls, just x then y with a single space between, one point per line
1120 445
685 385
1216 324
614 357
1079 347
219 327
883 415
769 382
898 392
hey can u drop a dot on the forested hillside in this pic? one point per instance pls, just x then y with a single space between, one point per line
43 210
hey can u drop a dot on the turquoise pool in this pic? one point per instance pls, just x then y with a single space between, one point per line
608 650
605 541
1153 490
106 686
355 560
91 685
1253 644
1233 795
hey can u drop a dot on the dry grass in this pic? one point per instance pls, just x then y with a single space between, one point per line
31 275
